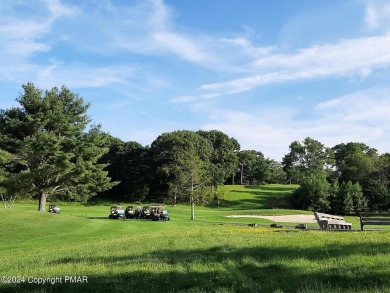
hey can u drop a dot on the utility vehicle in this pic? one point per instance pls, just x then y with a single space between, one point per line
116 212
133 212
54 208
158 212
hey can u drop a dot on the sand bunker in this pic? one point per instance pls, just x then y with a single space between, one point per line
304 219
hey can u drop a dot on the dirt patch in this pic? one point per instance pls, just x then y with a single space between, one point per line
304 219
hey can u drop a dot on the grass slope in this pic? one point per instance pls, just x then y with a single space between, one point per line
183 255
256 197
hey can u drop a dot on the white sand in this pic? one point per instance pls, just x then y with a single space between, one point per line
305 219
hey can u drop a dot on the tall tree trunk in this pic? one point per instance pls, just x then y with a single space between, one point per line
13 200
4 201
192 199
192 208
42 202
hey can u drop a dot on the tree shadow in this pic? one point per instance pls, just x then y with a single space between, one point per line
264 199
286 188
234 269
97 218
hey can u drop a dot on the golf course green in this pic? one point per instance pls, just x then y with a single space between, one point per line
81 250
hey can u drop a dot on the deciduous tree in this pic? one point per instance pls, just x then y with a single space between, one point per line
355 161
307 157
377 188
223 158
313 193
178 156
251 168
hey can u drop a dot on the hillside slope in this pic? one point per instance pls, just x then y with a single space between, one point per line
271 196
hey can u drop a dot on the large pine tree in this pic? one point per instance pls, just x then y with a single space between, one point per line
56 156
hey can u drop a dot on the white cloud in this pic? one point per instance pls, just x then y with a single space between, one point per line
57 9
369 106
21 38
109 29
129 80
145 28
94 35
82 76
269 131
357 117
377 14
248 48
162 15
186 99
347 58
23 35
183 47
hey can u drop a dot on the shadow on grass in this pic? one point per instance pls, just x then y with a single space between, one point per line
232 269
97 203
98 218
265 198
286 188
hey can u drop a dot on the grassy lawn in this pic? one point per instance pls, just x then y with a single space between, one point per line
209 254
240 197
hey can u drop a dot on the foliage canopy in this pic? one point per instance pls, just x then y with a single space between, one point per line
54 156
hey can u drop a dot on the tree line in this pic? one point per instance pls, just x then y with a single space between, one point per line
181 164
49 148
345 179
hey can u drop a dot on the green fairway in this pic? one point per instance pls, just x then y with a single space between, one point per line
252 197
213 253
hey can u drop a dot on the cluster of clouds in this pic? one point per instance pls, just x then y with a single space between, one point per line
148 28
359 116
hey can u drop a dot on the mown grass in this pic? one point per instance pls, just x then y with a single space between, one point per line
270 196
185 256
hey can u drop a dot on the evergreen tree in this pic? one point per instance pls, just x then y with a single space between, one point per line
56 156
129 164
359 201
346 205
333 195
350 199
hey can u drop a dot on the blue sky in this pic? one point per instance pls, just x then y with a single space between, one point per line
264 72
